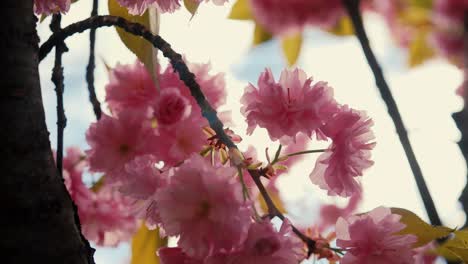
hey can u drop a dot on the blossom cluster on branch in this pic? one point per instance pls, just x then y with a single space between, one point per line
162 164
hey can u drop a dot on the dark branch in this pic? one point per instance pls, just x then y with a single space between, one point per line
91 65
184 74
57 79
461 119
352 6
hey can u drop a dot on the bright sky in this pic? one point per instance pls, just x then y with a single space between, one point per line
425 96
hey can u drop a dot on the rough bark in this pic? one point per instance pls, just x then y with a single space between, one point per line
38 222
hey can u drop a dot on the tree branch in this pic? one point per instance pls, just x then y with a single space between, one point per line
184 74
352 7
461 119
91 65
57 79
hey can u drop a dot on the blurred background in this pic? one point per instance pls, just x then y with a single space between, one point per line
426 97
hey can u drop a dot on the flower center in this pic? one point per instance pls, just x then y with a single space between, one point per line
266 246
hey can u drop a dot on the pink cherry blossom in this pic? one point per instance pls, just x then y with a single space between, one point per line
130 88
104 215
330 213
371 238
175 256
213 86
288 107
349 154
171 107
47 7
448 32
283 17
142 181
177 142
265 245
204 206
138 7
107 219
116 141
423 255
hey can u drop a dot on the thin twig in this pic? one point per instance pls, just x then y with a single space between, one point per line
352 6
185 75
461 119
57 79
91 65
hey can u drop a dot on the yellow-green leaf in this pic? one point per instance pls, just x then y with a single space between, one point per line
344 27
140 47
292 47
276 200
419 49
422 230
191 6
260 35
241 11
97 185
145 244
462 253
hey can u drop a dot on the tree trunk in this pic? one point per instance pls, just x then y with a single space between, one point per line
38 223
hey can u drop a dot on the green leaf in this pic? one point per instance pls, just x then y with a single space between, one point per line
241 11
292 47
191 6
139 46
260 35
422 230
145 243
344 27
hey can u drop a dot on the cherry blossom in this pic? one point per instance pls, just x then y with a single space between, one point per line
130 88
371 238
171 107
116 141
204 206
175 255
265 245
349 154
284 17
138 7
47 7
288 107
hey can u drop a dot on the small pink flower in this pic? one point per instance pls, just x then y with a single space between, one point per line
282 17
105 216
371 238
47 7
116 141
330 213
107 219
177 142
266 245
138 7
213 86
141 183
448 32
175 256
205 207
423 255
130 88
171 107
349 154
288 107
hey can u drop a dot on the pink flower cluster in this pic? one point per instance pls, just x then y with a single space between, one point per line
138 7
448 33
283 17
263 244
371 238
47 7
294 106
104 213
